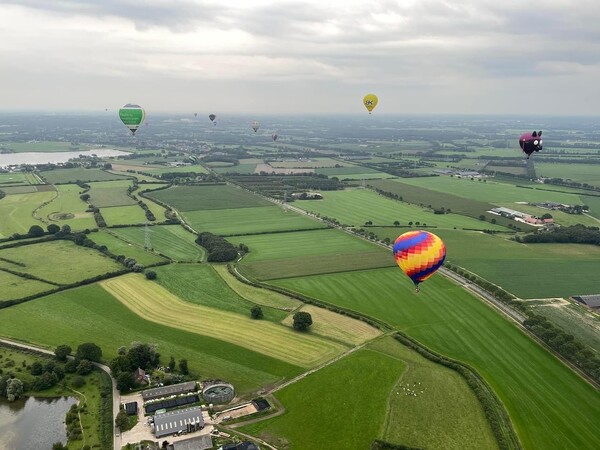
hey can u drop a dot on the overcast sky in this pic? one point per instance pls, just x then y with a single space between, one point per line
533 57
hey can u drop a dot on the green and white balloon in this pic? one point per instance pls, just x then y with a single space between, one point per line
132 116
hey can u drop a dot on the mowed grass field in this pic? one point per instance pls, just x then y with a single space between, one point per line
357 206
110 193
152 302
124 215
201 284
78 173
550 406
39 146
91 314
308 252
120 247
61 262
173 241
10 179
443 413
16 212
340 406
194 198
186 169
68 209
584 173
14 287
262 219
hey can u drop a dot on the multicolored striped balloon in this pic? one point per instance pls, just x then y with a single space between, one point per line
419 254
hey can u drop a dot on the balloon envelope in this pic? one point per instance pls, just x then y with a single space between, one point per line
212 117
255 125
274 136
132 116
531 142
419 254
370 102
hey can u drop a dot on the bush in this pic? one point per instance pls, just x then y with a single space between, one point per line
302 321
256 312
151 275
35 231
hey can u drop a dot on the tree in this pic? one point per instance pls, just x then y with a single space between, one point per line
125 381
14 389
89 351
151 275
71 366
481 217
410 223
65 229
37 368
183 367
53 228
396 223
35 231
172 364
84 367
62 351
302 320
59 446
107 166
122 420
256 312
547 216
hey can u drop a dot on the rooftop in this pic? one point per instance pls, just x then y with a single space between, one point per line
165 391
175 421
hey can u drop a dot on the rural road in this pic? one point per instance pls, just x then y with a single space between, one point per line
116 396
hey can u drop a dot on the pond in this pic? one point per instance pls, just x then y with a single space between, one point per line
11 159
33 422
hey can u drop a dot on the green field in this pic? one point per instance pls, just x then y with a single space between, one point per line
154 303
550 406
173 241
311 164
347 170
202 285
16 211
68 209
23 189
124 215
583 173
40 146
118 246
357 206
49 260
16 178
110 193
308 252
78 173
341 406
90 314
186 169
15 287
248 220
193 198
240 168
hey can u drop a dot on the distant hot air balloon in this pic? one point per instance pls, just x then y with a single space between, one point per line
212 117
370 102
132 116
419 254
255 125
274 137
195 114
531 142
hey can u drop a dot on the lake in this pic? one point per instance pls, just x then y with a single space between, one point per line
33 423
11 159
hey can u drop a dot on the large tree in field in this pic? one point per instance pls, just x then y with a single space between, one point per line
89 351
302 320
62 351
36 231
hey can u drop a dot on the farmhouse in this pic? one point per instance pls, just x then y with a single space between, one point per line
591 301
188 420
174 389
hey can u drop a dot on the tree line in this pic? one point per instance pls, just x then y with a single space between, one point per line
575 234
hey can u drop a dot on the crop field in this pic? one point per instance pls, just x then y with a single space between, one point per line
264 297
248 220
240 168
124 215
152 302
313 163
357 206
16 211
91 314
584 173
594 204
193 198
336 326
438 199
439 393
308 252
549 405
364 176
172 241
48 261
120 247
346 170
343 405
68 209
186 169
110 193
14 287
78 173
9 179
23 189
202 285
38 146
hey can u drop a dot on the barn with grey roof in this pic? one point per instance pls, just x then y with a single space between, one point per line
189 419
166 391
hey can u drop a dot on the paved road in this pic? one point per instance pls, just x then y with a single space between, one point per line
116 395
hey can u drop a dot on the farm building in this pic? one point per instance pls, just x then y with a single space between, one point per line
174 402
261 404
218 392
196 443
246 445
165 391
188 420
591 301
131 408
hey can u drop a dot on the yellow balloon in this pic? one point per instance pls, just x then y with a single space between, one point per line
370 102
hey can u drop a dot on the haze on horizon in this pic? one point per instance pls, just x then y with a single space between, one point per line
540 57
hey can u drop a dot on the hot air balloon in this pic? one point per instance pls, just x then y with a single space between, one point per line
274 137
419 254
531 142
370 102
255 125
132 116
195 114
212 117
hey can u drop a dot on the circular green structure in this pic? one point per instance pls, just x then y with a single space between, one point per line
132 116
218 392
